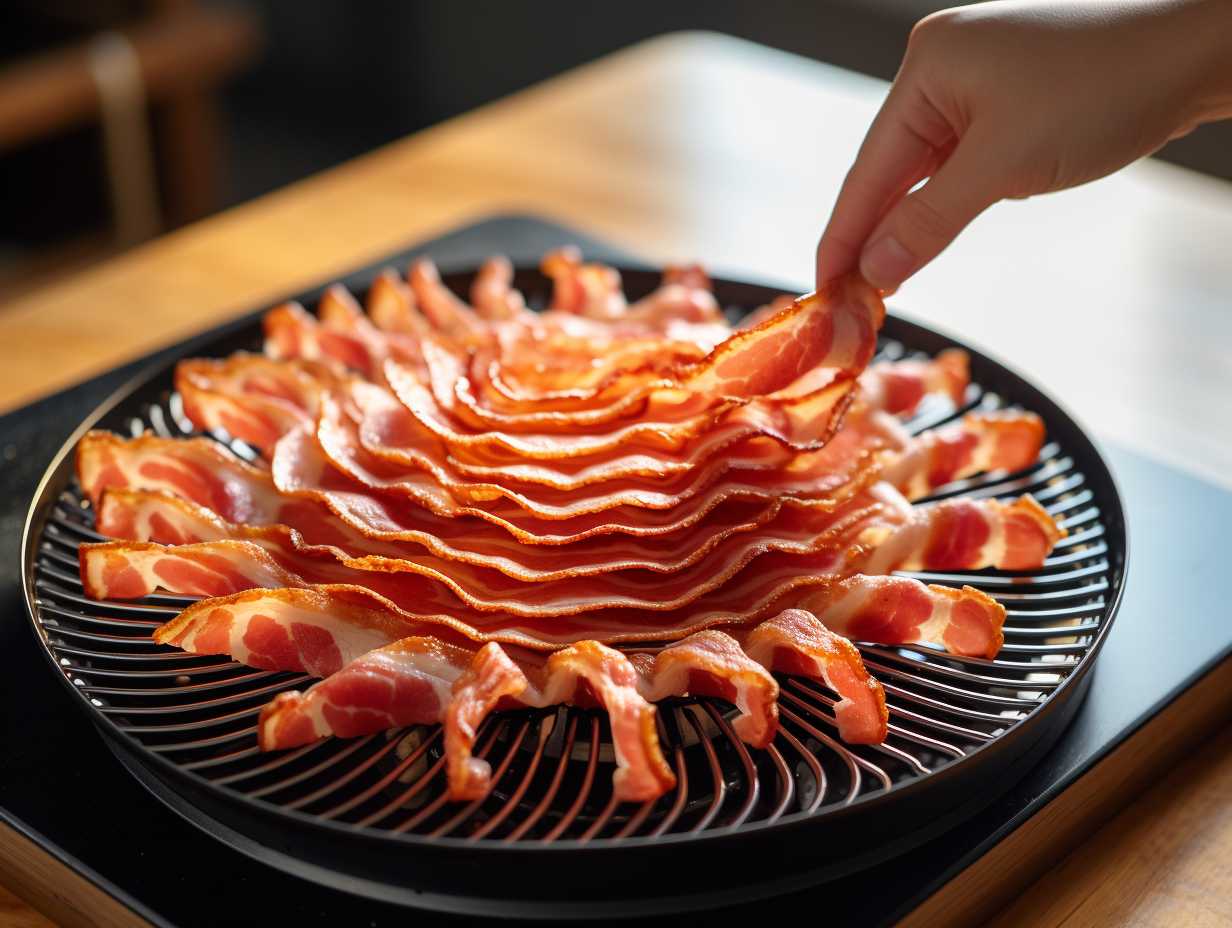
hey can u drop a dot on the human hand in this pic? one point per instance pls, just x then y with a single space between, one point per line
1015 98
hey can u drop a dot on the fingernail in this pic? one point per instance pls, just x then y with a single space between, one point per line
885 264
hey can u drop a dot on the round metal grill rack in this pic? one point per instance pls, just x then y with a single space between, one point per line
370 815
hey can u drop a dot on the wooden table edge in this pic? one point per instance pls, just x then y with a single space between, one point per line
48 883
986 886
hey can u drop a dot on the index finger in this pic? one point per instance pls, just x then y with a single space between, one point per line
904 145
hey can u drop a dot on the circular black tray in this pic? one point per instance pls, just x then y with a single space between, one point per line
741 825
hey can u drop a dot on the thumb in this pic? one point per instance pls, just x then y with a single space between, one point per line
923 223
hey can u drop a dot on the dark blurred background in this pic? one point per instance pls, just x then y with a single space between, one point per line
233 99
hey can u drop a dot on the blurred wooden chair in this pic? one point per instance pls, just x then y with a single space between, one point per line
150 83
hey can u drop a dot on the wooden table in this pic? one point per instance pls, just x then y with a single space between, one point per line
1116 296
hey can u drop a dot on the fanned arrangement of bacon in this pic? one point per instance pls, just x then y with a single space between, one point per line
457 507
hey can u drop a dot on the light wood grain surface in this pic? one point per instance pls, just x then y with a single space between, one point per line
1115 296
16 914
1162 862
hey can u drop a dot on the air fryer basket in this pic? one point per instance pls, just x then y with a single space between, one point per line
369 816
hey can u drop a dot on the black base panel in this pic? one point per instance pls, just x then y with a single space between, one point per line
60 784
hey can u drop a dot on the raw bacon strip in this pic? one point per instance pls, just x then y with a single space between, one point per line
966 534
898 610
565 370
899 386
390 454
291 332
424 680
258 399
391 451
642 773
391 307
198 469
459 423
711 663
455 393
669 426
796 642
407 682
158 516
339 311
131 570
685 295
490 679
342 335
591 290
311 631
834 329
251 397
1002 440
414 681
493 296
895 386
451 317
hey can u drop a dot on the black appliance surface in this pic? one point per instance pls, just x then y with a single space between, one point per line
56 768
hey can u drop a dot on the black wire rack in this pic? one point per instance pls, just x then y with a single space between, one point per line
191 720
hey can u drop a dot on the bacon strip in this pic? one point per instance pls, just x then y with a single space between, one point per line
424 680
493 296
585 289
611 680
899 386
685 295
803 422
414 681
898 610
291 332
408 682
834 328
445 311
711 663
966 534
796 642
253 398
391 307
1002 440
490 679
